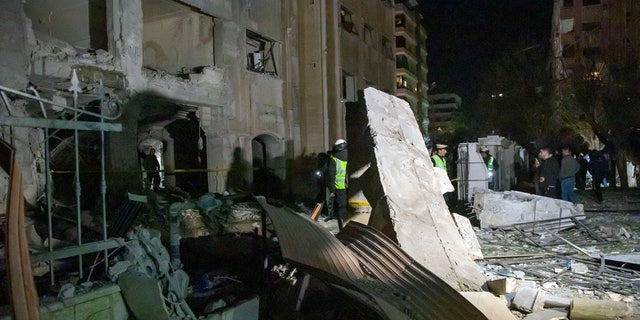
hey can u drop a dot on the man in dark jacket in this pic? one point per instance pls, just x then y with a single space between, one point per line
337 181
548 173
598 167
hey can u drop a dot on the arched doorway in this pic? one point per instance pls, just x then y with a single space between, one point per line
268 165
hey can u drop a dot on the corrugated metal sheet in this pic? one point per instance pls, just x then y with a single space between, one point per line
426 296
304 241
398 287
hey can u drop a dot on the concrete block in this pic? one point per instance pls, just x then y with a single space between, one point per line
556 302
579 268
468 236
529 299
549 314
503 209
491 306
403 188
502 286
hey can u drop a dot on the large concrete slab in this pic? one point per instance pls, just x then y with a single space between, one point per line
503 209
403 189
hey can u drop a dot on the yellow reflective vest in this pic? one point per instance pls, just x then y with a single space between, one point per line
439 162
341 174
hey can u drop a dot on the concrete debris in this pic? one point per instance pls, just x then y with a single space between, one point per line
494 308
503 285
551 301
587 309
529 299
468 236
503 209
403 189
579 268
151 270
66 291
246 310
548 314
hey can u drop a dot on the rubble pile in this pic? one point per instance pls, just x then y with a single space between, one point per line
588 271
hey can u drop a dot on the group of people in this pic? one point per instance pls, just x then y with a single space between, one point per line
557 179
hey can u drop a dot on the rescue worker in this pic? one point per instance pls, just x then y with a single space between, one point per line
438 159
492 166
152 167
337 181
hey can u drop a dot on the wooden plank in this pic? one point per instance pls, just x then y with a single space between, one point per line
316 211
14 262
23 295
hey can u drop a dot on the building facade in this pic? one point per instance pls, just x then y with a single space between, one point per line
442 108
411 61
220 89
588 34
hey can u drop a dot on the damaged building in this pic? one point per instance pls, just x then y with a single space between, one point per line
147 146
221 89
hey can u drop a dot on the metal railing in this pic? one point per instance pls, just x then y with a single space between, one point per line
74 124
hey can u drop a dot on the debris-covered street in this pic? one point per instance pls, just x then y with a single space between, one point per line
597 259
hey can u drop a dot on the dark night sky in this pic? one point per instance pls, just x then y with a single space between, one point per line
465 36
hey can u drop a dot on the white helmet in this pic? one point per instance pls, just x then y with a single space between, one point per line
339 145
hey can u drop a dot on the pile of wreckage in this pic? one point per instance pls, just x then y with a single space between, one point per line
242 257
547 259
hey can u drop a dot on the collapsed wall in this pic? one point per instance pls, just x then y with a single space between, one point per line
403 188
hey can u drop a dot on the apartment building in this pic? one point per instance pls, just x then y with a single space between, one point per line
442 108
411 61
218 88
589 34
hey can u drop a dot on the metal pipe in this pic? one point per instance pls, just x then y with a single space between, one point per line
5 99
48 186
103 182
74 88
74 108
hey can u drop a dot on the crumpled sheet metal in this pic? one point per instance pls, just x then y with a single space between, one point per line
426 295
305 242
402 290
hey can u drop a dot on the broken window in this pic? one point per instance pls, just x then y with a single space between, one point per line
368 35
346 21
387 48
349 87
81 23
262 54
176 39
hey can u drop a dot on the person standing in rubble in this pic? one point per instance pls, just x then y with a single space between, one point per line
337 181
152 168
599 168
492 166
569 167
548 173
438 157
